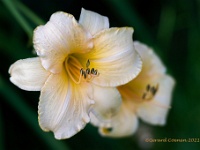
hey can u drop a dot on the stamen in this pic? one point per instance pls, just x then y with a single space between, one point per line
144 95
95 72
81 71
90 77
85 75
161 105
148 87
153 90
88 70
150 92
89 74
92 70
107 130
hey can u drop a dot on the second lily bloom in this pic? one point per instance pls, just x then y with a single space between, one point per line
147 97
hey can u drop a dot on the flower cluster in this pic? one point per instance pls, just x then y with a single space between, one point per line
88 72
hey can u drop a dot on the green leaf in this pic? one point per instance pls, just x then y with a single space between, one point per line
10 5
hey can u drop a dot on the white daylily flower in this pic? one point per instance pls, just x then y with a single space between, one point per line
105 106
148 96
75 61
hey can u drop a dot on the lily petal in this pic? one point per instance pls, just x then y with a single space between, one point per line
155 112
124 124
114 57
152 64
93 22
107 104
64 106
60 36
28 74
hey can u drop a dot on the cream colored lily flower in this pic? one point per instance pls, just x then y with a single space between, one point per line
75 60
148 97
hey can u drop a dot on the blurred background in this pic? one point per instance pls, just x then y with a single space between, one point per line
171 27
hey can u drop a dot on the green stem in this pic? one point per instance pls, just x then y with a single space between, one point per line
19 18
17 102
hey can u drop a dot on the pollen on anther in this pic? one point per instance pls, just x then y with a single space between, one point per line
92 70
95 72
88 70
148 87
150 92
107 130
81 71
88 74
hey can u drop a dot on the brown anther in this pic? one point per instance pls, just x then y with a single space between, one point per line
88 74
148 87
150 92
92 71
88 70
81 71
107 130
84 74
95 72
153 90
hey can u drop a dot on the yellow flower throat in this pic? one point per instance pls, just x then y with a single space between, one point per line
76 72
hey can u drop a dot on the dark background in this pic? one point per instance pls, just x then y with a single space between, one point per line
171 27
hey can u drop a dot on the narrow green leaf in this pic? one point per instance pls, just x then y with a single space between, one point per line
28 13
10 5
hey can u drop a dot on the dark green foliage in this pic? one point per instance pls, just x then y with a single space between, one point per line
171 27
